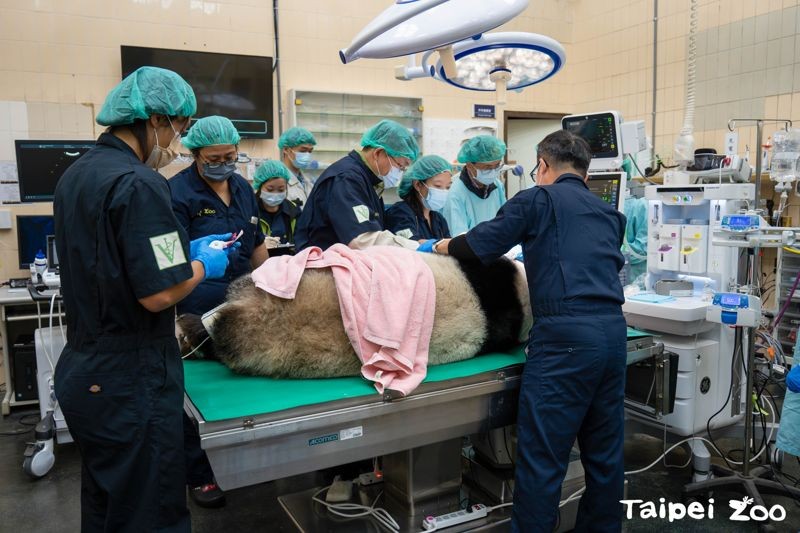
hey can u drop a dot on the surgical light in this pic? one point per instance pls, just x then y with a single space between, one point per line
497 62
412 26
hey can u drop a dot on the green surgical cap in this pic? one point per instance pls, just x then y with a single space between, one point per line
295 137
211 131
147 91
392 137
268 170
426 167
482 149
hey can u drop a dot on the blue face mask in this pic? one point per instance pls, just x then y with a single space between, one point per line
219 171
302 159
273 199
436 198
487 177
393 177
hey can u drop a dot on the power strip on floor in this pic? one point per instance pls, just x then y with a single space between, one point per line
432 523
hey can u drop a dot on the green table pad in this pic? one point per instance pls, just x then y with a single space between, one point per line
220 394
637 334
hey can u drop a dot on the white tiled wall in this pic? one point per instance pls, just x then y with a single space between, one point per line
62 56
748 64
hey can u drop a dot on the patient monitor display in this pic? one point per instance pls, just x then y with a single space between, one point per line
609 187
602 132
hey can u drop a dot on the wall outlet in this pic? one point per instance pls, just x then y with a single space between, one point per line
731 143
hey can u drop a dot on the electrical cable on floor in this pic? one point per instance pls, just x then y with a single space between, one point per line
776 476
354 510
28 426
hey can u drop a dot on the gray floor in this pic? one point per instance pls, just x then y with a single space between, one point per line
52 504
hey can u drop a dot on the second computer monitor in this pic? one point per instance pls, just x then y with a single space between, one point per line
609 187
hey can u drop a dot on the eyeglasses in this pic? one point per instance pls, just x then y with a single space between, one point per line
538 164
397 164
217 160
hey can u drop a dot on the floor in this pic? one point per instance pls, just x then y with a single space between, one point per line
51 504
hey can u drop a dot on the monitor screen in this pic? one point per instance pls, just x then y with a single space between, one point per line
32 232
40 164
609 187
599 130
235 86
52 253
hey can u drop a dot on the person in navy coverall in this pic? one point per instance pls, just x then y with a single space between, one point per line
574 377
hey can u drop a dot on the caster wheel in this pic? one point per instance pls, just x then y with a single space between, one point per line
39 459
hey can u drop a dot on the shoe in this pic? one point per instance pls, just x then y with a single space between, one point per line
209 496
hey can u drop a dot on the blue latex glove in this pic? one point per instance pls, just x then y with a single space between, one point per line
793 378
195 245
427 246
215 262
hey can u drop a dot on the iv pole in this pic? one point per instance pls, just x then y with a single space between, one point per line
756 480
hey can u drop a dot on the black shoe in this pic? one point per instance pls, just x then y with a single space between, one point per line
208 495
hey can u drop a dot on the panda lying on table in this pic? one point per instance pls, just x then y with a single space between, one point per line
479 309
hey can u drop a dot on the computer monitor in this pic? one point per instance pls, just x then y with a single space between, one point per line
609 187
40 164
32 232
238 87
603 133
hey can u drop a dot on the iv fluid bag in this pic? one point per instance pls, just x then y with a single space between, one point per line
785 161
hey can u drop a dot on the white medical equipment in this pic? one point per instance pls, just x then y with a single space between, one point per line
680 219
39 455
735 309
413 26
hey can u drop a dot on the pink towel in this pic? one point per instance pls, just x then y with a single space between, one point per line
387 299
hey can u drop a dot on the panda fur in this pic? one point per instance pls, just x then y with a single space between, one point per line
478 309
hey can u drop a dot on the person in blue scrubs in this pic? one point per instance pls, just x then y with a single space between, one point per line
424 191
276 213
125 262
345 205
478 193
573 384
210 197
297 146
635 247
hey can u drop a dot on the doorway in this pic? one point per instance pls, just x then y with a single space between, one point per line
522 133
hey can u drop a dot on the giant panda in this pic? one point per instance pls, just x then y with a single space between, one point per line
479 309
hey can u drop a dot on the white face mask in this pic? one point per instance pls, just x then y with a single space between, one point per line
487 177
436 198
160 157
273 198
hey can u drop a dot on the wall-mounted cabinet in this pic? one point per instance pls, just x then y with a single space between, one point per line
339 120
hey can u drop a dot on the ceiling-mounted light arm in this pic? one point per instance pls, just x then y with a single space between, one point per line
448 60
500 76
414 8
411 71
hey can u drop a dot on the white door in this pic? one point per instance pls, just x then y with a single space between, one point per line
524 135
